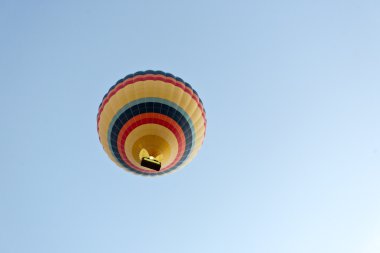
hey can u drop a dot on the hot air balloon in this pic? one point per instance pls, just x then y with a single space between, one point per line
151 123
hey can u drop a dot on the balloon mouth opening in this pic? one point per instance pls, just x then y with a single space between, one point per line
151 163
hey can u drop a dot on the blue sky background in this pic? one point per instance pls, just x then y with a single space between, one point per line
292 86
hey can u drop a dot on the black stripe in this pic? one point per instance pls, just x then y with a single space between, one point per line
147 108
151 72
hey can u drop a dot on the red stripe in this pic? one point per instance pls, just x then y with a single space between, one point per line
153 78
181 144
154 118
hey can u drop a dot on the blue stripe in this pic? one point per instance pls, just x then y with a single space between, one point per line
156 105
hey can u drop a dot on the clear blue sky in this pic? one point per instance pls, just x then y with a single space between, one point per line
291 86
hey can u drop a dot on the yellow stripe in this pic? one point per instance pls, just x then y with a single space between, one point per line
151 129
150 88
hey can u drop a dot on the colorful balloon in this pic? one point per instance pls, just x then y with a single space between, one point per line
151 123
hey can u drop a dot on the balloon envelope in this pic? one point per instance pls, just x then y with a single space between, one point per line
155 115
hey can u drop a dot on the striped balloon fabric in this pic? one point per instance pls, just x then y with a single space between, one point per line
151 114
